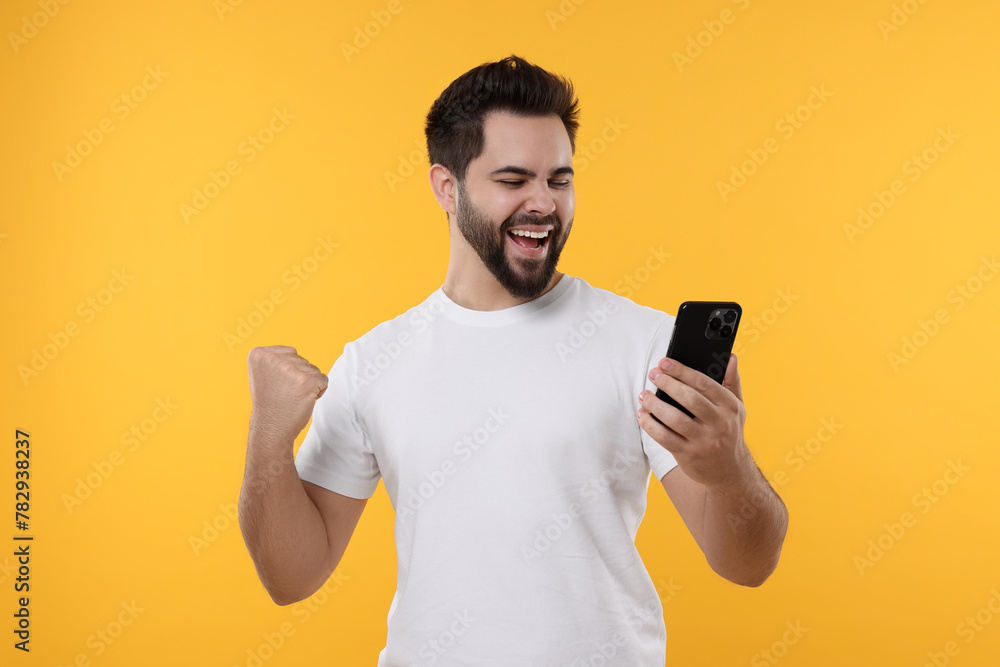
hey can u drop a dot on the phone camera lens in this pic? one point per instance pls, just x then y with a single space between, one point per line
714 323
726 330
730 316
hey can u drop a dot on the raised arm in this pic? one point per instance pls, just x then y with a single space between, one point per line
296 532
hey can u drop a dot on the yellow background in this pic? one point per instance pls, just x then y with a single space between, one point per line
358 117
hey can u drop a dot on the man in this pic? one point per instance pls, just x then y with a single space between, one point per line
498 413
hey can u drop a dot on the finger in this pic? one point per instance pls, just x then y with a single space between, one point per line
666 437
324 382
670 416
307 365
309 378
732 379
685 394
704 385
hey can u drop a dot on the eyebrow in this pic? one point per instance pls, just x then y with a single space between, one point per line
521 171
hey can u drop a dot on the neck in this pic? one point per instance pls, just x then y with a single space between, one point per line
475 288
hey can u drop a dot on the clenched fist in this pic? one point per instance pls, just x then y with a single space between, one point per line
284 388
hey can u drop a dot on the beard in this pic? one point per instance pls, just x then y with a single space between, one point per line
522 277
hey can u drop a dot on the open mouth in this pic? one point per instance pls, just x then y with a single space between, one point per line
533 242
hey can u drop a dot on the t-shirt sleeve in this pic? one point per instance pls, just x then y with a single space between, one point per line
660 459
336 453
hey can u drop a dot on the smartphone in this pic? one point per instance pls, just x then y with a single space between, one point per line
702 339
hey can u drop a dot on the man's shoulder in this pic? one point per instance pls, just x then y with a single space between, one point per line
612 302
407 324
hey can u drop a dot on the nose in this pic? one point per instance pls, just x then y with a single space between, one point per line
540 202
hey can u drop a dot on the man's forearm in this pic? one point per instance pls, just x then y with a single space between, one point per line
281 526
744 529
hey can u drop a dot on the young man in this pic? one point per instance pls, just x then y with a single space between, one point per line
501 415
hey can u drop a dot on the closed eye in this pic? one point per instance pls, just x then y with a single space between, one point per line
519 182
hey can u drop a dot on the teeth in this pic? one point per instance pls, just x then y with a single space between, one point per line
534 235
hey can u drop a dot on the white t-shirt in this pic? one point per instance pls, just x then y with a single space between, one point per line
508 444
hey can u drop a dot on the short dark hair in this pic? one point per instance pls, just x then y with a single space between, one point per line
454 126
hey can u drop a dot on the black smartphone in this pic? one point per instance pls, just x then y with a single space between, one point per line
702 339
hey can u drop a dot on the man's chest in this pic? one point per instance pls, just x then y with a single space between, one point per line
503 414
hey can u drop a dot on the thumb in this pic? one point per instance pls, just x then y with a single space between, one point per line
732 379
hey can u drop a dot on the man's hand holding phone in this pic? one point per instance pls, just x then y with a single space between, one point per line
709 447
734 515
697 414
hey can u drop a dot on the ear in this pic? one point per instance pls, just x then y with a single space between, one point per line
445 186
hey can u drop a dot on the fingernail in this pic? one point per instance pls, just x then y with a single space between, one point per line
666 365
653 374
